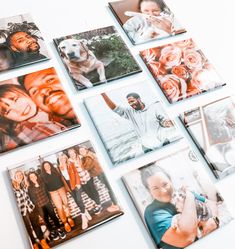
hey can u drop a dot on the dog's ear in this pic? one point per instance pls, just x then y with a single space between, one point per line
62 55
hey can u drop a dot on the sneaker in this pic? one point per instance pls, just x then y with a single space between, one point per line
113 208
61 233
35 246
54 235
67 227
71 222
97 210
88 215
44 244
84 222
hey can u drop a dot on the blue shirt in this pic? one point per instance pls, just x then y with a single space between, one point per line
158 217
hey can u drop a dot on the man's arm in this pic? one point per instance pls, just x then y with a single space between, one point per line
108 101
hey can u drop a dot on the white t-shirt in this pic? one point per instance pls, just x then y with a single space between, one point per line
147 124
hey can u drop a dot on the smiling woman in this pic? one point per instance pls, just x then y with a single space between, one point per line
30 116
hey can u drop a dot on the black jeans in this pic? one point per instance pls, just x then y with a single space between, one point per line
90 190
104 180
47 211
32 219
77 196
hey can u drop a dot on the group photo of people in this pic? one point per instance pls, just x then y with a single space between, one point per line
177 201
33 107
146 20
62 195
212 127
131 121
21 42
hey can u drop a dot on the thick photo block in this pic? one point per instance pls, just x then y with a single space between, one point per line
33 107
62 195
181 70
96 57
131 121
212 127
176 200
21 42
146 20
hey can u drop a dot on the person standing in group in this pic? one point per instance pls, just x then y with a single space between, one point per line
40 197
71 180
28 210
55 187
92 165
86 181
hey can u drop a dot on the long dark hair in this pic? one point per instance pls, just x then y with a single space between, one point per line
53 169
31 184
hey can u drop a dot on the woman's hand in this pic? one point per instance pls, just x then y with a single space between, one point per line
161 23
209 226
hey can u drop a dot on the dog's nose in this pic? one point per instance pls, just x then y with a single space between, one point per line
71 54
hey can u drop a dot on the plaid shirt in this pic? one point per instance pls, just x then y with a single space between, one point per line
23 201
39 195
26 132
29 132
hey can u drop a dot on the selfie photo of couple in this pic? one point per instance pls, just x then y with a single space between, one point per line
33 107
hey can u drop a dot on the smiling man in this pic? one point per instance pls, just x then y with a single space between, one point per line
149 122
46 91
25 47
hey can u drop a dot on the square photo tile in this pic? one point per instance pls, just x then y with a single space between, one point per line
21 42
146 20
96 57
62 195
181 70
131 121
212 127
33 107
176 200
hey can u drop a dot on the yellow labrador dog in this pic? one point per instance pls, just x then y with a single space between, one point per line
80 60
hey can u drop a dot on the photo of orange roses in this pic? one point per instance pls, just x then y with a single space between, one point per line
181 70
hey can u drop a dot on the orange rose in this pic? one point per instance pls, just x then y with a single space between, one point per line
192 59
174 87
181 72
150 57
171 56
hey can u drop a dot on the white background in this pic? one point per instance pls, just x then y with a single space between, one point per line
210 23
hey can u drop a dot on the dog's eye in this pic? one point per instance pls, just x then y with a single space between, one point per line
62 47
74 45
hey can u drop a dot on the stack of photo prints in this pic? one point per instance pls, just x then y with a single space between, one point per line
64 193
